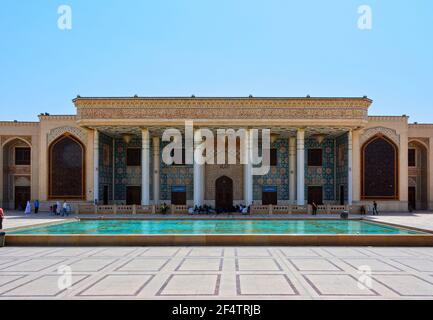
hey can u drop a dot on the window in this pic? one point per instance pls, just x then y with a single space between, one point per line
273 157
379 169
22 156
106 155
133 157
183 157
314 157
341 155
412 158
67 169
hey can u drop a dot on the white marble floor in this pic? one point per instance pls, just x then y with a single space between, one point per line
216 273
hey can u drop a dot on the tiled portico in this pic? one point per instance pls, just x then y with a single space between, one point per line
216 272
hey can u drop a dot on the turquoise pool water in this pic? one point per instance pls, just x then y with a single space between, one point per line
111 227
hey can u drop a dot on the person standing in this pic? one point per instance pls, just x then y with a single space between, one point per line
28 208
375 212
2 215
36 205
58 208
65 209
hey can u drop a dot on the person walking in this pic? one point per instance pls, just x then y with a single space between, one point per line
36 205
2 215
28 208
314 205
375 212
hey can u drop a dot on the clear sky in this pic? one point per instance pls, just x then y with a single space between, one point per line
215 48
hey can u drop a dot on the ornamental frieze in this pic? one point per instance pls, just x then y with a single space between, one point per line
222 108
222 113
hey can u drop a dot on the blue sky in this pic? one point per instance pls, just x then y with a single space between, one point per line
215 48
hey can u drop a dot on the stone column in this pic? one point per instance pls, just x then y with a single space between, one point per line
1 175
300 167
145 163
156 172
356 166
198 173
248 169
349 168
292 170
96 165
430 175
403 169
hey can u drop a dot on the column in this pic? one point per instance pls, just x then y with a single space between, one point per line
349 168
198 172
1 175
96 166
404 168
430 175
300 167
248 169
292 170
156 172
145 157
356 166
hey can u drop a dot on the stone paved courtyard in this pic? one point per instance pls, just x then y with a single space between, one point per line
216 272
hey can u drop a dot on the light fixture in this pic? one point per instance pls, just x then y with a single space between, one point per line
274 137
319 137
127 137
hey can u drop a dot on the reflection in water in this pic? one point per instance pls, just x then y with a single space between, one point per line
216 227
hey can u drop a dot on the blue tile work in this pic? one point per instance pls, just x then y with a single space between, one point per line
278 175
321 176
125 175
105 167
341 143
175 176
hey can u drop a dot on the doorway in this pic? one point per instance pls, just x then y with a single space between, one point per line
224 193
133 195
178 195
412 198
342 195
105 196
269 195
315 194
22 195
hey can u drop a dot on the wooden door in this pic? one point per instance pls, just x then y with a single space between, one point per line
178 198
342 195
224 193
133 195
105 196
315 194
22 195
269 198
412 198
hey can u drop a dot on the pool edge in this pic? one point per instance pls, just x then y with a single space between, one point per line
418 240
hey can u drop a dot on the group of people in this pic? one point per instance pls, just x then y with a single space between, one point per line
314 207
375 210
57 209
206 209
28 209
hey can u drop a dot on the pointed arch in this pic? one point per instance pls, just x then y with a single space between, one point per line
379 169
67 174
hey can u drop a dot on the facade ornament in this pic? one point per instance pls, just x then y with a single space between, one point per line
388 132
57 132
